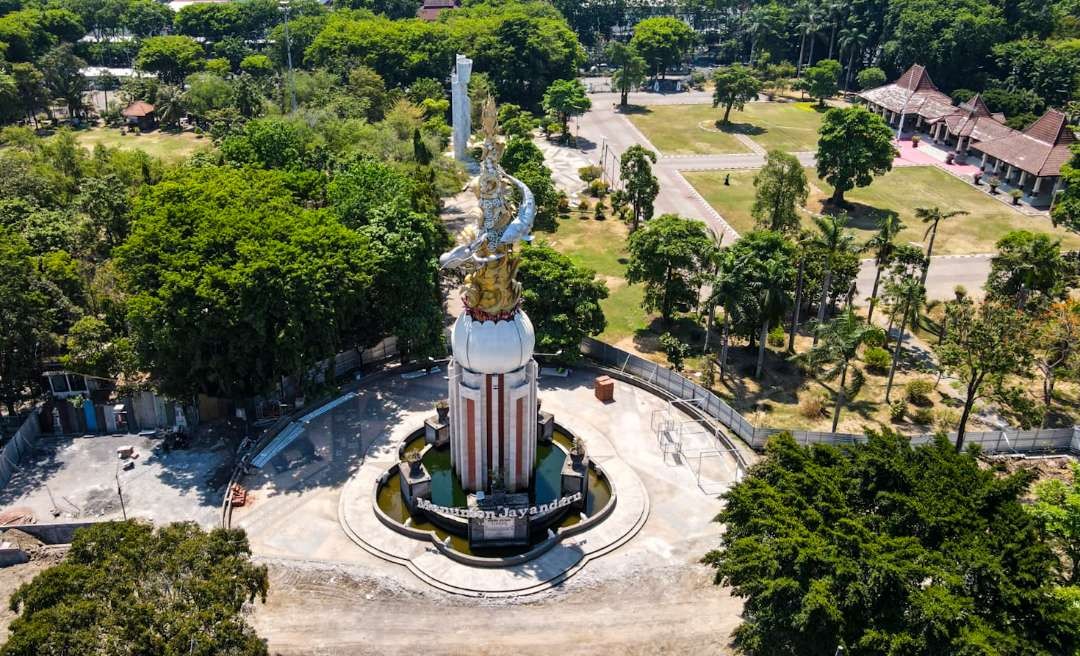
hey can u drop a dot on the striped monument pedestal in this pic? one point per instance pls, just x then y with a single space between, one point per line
493 427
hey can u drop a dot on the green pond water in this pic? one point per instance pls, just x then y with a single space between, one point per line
446 489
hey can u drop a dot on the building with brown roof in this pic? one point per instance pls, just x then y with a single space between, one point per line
1031 160
139 114
431 9
913 96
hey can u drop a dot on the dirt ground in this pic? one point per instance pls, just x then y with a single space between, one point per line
326 611
10 580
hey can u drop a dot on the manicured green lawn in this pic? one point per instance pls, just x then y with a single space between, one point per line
901 190
168 146
692 129
601 246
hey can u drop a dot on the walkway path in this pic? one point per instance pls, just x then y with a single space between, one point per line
604 134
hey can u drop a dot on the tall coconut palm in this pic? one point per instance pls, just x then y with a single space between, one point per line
804 11
169 105
727 291
882 245
910 296
773 300
804 239
710 267
834 10
840 341
852 41
932 216
833 238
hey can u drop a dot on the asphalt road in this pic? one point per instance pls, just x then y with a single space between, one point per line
604 134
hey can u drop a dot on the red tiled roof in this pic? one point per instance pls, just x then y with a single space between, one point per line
431 9
913 93
1040 149
973 119
138 109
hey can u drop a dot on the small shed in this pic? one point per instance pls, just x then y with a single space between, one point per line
139 114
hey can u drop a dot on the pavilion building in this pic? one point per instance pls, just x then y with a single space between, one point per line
1029 160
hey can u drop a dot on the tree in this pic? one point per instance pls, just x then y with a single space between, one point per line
883 548
171 58
674 349
641 186
144 18
24 322
566 98
232 284
834 239
247 96
1066 210
93 348
171 591
206 93
257 66
1057 351
908 295
1028 271
1057 510
983 347
630 69
773 298
562 299
822 80
63 77
169 106
735 86
107 82
728 292
667 256
882 245
105 201
870 78
662 41
840 341
30 86
780 190
854 146
932 217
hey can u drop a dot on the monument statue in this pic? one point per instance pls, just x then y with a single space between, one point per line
493 404
461 108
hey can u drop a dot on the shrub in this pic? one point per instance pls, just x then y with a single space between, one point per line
946 419
598 188
583 205
897 409
918 391
877 359
598 210
776 336
589 173
698 79
923 416
564 202
875 337
813 406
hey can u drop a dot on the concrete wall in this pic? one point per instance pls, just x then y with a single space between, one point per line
19 446
51 533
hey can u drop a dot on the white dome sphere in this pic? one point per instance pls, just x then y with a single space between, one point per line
493 347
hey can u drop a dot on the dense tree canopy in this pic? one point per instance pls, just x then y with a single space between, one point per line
854 146
561 298
667 255
663 42
170 57
128 588
884 549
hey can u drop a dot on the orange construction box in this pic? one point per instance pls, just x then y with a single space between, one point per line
604 388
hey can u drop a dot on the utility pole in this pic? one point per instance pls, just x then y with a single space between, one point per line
288 56
120 492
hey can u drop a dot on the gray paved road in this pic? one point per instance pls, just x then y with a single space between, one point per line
604 133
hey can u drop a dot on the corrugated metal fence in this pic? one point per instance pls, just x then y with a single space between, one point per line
1004 441
18 446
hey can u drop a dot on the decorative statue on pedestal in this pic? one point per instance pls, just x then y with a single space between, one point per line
493 404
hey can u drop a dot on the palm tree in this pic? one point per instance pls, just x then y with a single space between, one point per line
833 9
840 341
772 301
932 216
882 246
754 24
169 105
727 291
805 12
852 41
910 296
804 239
834 239
710 266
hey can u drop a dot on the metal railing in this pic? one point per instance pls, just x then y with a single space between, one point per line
1009 440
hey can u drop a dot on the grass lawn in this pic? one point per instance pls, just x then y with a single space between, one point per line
901 190
168 146
601 246
692 129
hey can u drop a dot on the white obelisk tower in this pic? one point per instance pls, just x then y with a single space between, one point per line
461 108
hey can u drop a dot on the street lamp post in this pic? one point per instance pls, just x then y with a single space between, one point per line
288 55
